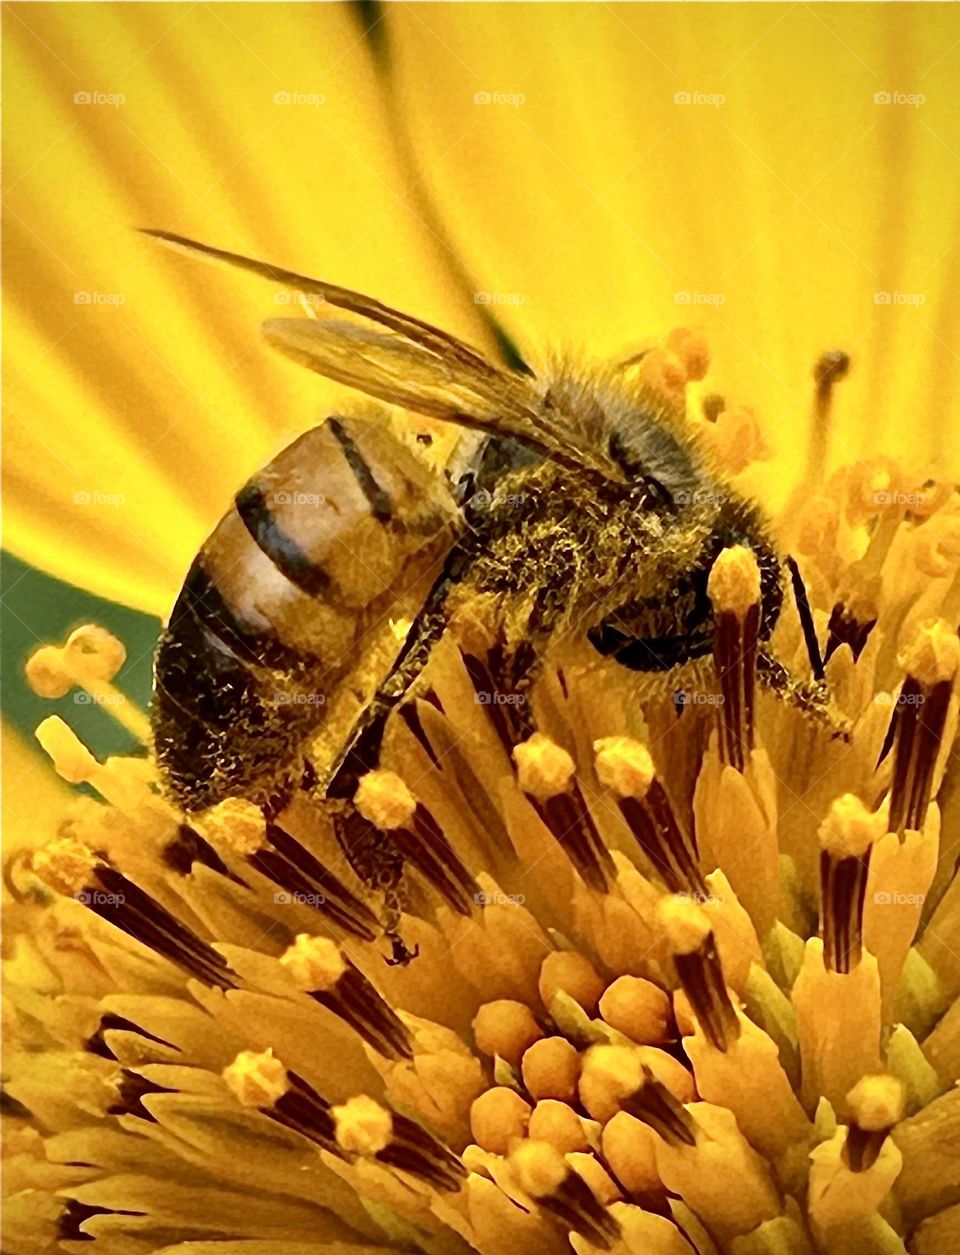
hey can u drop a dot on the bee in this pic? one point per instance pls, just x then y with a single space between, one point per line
583 512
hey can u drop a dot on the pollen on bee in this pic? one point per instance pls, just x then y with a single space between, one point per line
400 628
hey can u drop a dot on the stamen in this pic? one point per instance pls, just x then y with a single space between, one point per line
89 660
922 709
506 1029
123 782
498 1118
572 973
625 767
317 966
697 962
557 1123
365 1128
384 800
877 1104
288 864
734 589
550 1069
637 1008
830 368
846 838
544 1174
511 720
71 868
257 1079
545 773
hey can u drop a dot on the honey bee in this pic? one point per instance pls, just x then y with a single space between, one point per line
584 511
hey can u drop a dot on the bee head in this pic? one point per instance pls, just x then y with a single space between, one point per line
674 625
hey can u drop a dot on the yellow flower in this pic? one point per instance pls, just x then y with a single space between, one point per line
674 966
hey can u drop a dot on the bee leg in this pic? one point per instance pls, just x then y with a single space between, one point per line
812 698
371 853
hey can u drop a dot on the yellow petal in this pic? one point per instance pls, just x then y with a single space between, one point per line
138 394
612 170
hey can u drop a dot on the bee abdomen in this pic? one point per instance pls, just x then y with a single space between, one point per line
278 545
296 584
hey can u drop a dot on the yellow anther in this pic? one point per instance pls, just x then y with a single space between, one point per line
734 580
850 828
363 1127
498 1118
624 766
384 799
313 962
544 768
70 756
256 1078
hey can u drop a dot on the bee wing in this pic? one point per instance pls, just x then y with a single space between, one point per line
411 364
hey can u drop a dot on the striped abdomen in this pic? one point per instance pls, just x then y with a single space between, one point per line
341 533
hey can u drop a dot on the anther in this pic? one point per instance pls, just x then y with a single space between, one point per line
316 965
921 715
498 1118
506 1029
830 368
625 767
846 838
545 1175
259 1080
89 660
71 868
365 1128
545 773
877 1104
384 800
697 962
734 589
289 865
